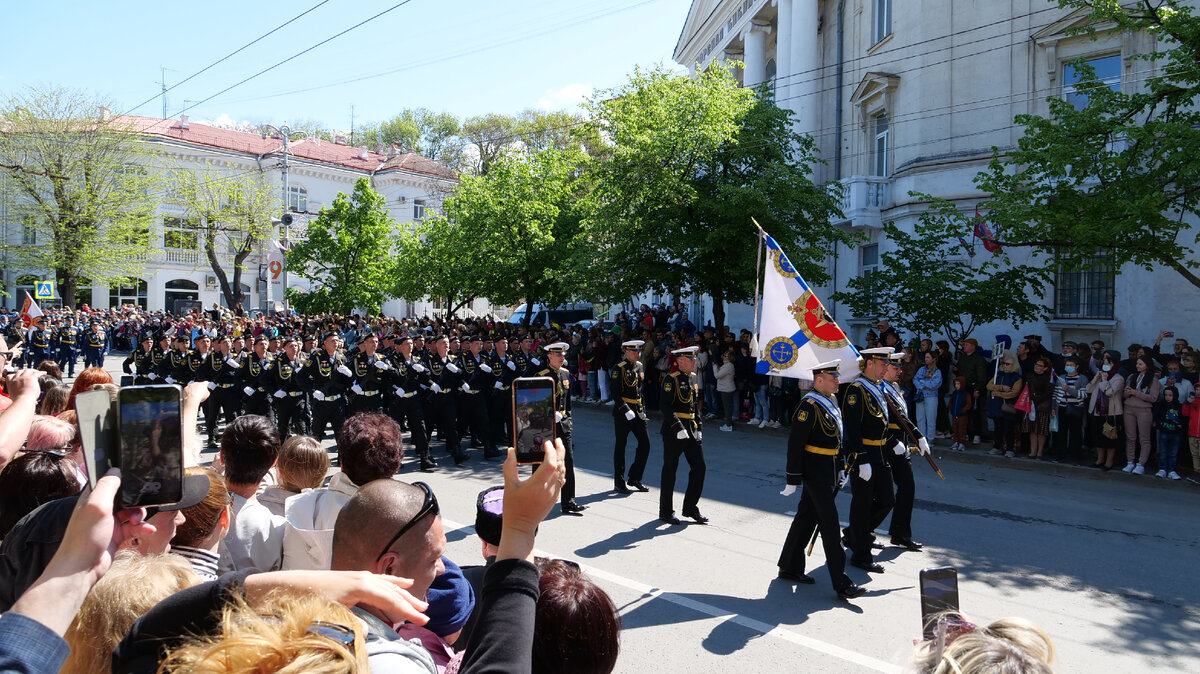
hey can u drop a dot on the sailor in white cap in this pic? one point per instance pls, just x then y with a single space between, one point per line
865 416
897 457
629 415
556 353
680 404
814 445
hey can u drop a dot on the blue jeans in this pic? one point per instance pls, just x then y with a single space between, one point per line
711 401
1168 450
760 403
927 416
593 391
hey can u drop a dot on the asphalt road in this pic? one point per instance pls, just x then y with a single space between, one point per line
1105 563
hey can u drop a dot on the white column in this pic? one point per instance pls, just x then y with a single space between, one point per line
805 80
755 41
783 54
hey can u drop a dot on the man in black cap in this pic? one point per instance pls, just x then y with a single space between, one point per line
221 370
329 378
254 375
67 342
898 459
140 363
39 344
408 376
865 415
286 380
681 431
478 379
95 345
445 378
629 416
174 364
556 353
815 461
371 375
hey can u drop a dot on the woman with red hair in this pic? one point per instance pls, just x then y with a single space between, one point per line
86 380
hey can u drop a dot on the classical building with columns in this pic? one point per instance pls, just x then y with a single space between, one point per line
911 96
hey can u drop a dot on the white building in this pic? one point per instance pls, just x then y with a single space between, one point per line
316 172
912 95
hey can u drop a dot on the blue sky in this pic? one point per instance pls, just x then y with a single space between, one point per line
466 57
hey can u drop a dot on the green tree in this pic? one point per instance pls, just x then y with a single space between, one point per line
234 216
438 258
346 255
488 137
923 285
436 135
78 180
1119 177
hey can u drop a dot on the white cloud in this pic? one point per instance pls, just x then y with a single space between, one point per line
566 98
224 121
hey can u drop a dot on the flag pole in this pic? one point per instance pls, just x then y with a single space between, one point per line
758 286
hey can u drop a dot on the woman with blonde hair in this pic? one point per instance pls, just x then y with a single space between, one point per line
132 586
1006 645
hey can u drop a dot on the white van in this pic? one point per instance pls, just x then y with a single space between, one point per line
564 315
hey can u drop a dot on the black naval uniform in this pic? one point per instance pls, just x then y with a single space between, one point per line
562 405
814 445
141 365
680 407
902 472
865 416
501 403
371 378
409 376
441 403
287 376
224 397
327 374
172 366
473 400
67 342
254 385
626 389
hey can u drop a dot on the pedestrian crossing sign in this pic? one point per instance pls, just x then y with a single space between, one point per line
43 290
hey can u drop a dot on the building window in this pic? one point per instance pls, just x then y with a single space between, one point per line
879 154
28 233
883 19
418 209
297 199
1087 293
134 293
181 233
1107 71
868 264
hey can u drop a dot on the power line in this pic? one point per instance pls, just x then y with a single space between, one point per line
227 56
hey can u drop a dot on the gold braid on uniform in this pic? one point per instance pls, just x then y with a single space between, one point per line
870 403
828 425
679 387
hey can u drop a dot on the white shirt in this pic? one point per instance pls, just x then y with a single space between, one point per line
254 540
309 520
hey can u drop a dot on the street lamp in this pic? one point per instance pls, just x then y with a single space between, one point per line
285 134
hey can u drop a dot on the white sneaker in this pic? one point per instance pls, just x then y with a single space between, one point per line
1139 469
1174 476
977 440
1128 467
1161 473
762 424
610 403
754 422
726 427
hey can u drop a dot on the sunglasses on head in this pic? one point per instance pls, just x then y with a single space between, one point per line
430 506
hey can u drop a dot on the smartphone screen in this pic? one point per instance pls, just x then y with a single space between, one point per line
151 445
533 417
98 432
939 594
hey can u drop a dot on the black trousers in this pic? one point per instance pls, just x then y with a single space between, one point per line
500 408
92 357
906 492
66 359
330 413
363 403
691 450
291 416
409 410
444 419
870 501
260 404
817 510
641 454
220 400
473 409
1068 439
563 432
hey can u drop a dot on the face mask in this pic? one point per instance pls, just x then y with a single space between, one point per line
1070 369
1107 368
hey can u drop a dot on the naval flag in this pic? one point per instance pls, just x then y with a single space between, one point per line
794 330
31 315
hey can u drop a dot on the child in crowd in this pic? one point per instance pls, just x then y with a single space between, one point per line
1169 418
959 405
301 466
1191 410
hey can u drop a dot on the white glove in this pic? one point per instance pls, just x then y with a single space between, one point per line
418 367
923 446
212 385
317 395
558 417
682 434
499 386
452 367
169 380
357 389
232 363
280 394
842 478
512 365
898 448
788 490
249 390
382 365
466 388
864 471
535 361
435 387
699 436
345 370
485 368
629 415
151 376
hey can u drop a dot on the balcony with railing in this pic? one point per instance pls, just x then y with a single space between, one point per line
864 198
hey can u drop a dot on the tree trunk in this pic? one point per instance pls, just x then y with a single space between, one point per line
718 309
67 283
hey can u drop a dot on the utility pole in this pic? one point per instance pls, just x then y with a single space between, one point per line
162 82
285 134
352 127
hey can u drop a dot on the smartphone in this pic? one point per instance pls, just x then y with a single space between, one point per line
939 595
151 445
533 417
1169 334
97 415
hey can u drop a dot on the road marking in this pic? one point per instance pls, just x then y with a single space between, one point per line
719 613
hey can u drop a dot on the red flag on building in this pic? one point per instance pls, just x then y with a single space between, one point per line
984 234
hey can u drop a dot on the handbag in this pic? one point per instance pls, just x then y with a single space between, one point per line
1109 429
1023 403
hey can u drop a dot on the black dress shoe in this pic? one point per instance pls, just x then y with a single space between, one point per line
637 484
876 545
908 543
427 465
622 489
796 577
573 507
851 591
669 519
695 514
873 567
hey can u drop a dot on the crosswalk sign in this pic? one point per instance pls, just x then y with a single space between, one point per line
43 290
